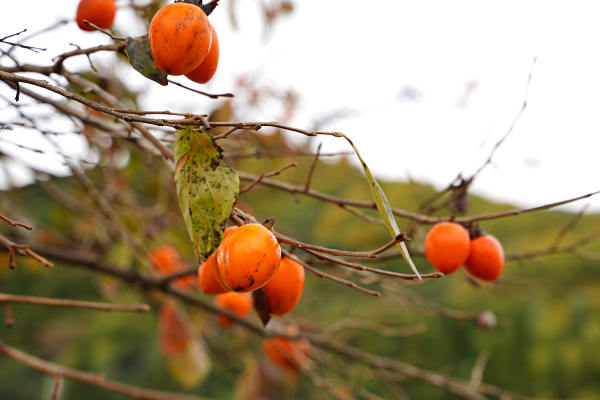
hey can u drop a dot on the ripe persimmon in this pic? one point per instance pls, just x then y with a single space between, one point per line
447 246
99 12
239 304
284 290
179 37
166 260
291 354
248 258
209 278
207 68
486 259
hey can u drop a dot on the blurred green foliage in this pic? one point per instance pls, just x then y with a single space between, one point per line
546 344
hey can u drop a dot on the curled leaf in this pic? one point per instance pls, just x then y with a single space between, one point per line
140 58
384 208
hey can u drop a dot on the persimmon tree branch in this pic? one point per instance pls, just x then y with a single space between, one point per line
23 250
45 301
89 378
173 123
34 49
420 218
15 223
461 189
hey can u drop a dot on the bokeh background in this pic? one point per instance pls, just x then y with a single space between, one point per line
425 92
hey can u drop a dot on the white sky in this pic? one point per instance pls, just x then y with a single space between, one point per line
341 55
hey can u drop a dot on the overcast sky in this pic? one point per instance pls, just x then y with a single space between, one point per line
426 89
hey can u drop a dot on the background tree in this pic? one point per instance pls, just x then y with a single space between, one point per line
367 327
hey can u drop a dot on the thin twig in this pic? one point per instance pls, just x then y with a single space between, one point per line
106 209
14 223
12 298
34 49
265 154
383 330
359 267
57 387
572 223
8 317
305 246
325 275
212 96
311 171
113 37
266 175
478 368
24 250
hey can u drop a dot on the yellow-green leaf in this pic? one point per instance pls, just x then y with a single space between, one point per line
384 208
207 189
190 367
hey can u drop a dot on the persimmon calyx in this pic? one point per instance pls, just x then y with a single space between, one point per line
207 8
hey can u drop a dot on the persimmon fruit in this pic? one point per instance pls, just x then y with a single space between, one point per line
239 304
285 288
447 246
207 68
99 12
180 38
209 279
486 259
209 276
291 354
166 260
248 258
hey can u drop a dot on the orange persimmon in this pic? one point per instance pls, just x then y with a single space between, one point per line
486 259
207 68
285 289
248 258
239 304
99 12
209 278
447 246
180 38
166 260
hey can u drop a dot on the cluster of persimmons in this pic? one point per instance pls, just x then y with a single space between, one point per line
449 246
182 40
249 258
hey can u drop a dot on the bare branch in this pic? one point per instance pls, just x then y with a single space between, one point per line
212 96
11 298
266 175
313 166
14 223
89 378
24 250
34 49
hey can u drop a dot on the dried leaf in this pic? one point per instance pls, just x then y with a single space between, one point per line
384 208
259 301
207 190
173 328
191 367
140 58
